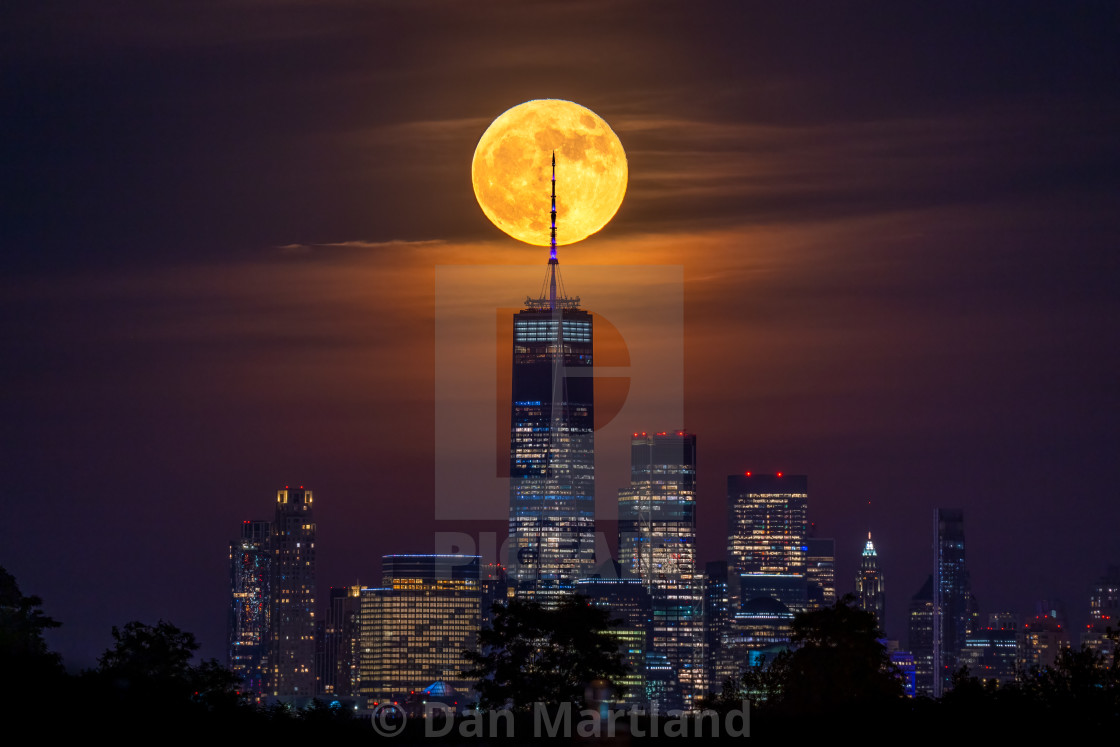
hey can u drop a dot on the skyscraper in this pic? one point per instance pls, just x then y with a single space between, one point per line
338 671
921 637
552 440
657 544
250 579
1043 638
991 653
869 584
1104 613
820 571
415 627
719 664
627 600
951 596
766 543
292 660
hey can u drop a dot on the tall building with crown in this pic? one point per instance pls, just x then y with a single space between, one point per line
657 544
292 659
870 591
552 440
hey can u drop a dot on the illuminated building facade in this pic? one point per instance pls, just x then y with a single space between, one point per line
663 691
415 627
951 596
292 659
1104 613
921 637
870 591
991 654
767 532
820 571
552 441
657 544
338 674
494 588
903 662
250 577
719 664
761 629
1043 637
627 600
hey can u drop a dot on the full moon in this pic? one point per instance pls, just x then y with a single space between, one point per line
512 171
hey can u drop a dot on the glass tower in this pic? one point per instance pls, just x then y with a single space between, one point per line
552 441
719 663
920 623
250 576
657 544
820 571
951 596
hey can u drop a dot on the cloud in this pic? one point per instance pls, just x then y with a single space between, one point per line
392 245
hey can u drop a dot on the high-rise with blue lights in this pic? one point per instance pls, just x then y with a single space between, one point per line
951 596
552 440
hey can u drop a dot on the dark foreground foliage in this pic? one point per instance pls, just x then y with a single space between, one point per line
533 654
146 688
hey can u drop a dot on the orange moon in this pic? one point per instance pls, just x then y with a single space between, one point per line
512 171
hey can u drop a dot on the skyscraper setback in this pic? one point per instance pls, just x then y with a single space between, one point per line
552 440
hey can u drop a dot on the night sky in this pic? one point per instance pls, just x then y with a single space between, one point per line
221 224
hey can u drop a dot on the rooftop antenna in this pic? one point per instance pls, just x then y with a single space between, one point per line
552 261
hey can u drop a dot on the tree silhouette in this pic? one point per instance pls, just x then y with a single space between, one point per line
154 663
533 654
22 624
29 667
835 662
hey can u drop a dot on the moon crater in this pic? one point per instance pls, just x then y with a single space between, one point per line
512 170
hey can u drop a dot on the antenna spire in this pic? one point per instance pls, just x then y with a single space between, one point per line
552 254
552 261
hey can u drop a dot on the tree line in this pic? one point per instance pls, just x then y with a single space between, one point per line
835 673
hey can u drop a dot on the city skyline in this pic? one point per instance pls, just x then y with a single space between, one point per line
895 231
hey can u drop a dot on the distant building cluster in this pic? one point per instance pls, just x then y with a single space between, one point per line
687 628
